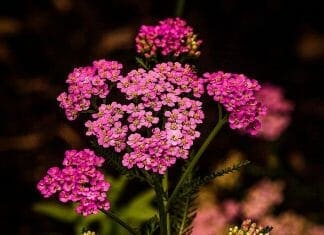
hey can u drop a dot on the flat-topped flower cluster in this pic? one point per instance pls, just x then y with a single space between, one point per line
237 93
78 181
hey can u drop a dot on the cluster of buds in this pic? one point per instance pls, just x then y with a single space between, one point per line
170 37
249 228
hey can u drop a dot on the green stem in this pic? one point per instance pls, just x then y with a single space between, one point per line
165 186
88 111
180 7
141 62
119 221
148 178
161 207
94 103
192 164
185 212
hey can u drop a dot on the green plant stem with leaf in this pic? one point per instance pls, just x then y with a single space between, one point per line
221 121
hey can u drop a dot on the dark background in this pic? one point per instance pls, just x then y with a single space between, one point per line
281 42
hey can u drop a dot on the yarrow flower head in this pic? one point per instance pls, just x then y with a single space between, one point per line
85 83
158 90
278 111
236 93
170 37
78 181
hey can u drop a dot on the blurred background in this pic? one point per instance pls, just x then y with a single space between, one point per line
273 41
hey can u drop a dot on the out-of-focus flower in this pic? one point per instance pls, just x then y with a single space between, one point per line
278 113
209 221
315 230
213 218
287 223
261 198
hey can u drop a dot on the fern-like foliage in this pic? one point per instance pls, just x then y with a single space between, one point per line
150 226
183 211
190 187
143 63
183 214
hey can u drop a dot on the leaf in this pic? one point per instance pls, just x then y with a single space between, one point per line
199 181
183 213
183 210
56 211
141 203
142 63
150 226
116 188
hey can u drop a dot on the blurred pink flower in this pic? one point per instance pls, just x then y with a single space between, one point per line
315 230
278 111
261 198
209 220
287 223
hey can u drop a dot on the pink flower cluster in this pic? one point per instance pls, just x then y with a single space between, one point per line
237 93
261 198
107 126
278 111
160 89
78 181
169 37
158 104
162 85
161 150
86 82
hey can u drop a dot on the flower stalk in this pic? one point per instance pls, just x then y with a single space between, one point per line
119 221
221 121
